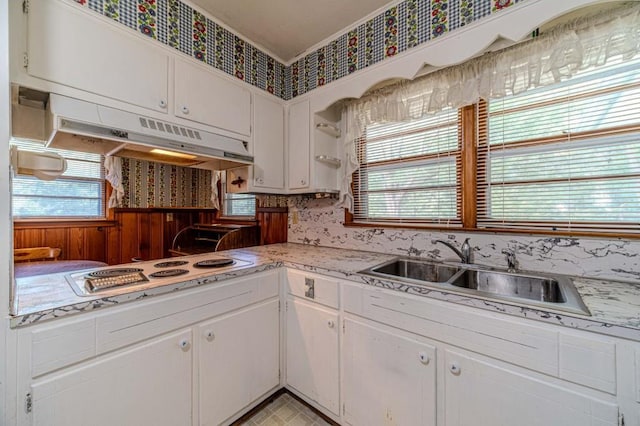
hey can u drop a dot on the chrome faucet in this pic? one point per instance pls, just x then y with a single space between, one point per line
464 253
512 262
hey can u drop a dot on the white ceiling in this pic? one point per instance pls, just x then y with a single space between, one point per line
287 28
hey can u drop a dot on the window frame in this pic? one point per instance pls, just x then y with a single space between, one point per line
473 129
64 220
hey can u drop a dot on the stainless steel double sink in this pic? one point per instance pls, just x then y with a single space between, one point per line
555 292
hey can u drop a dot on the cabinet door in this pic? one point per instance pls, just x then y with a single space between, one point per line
299 145
268 143
388 378
70 47
312 352
204 97
146 385
480 392
239 361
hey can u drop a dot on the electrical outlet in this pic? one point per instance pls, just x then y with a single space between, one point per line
169 217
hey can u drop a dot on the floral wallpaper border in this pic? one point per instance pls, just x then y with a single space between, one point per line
397 29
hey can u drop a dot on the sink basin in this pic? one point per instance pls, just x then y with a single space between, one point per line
414 270
555 292
542 289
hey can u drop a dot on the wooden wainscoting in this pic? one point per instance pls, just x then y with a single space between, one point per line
147 234
77 240
273 224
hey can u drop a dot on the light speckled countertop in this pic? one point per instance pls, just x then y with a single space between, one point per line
615 306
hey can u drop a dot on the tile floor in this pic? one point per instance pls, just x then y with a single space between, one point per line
286 411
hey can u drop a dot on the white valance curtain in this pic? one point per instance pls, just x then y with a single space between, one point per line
559 54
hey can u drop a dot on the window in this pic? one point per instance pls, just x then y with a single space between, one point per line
239 205
564 157
409 171
78 193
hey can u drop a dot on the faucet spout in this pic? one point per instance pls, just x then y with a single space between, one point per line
465 250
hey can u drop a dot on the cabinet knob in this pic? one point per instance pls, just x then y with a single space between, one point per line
185 345
210 336
303 181
331 324
455 369
185 110
259 180
424 358
162 103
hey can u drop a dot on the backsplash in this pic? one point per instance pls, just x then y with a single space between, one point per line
397 29
319 222
147 184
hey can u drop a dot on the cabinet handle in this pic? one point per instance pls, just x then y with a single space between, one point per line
259 180
424 358
455 369
185 110
162 103
331 324
184 345
210 336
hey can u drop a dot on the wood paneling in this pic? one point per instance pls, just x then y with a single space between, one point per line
273 224
75 241
136 233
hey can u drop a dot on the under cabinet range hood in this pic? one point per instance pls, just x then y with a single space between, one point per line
77 125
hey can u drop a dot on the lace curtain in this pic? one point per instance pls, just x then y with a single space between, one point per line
557 55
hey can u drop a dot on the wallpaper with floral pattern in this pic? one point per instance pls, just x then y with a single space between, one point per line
401 27
148 184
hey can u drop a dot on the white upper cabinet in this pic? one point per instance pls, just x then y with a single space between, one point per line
204 97
268 143
69 47
299 145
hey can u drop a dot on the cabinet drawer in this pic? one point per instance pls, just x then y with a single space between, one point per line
62 345
502 338
588 362
313 287
141 322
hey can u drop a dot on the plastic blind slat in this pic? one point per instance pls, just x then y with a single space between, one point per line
409 172
78 193
565 156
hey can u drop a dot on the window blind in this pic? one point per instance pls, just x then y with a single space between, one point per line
410 171
78 193
239 204
565 156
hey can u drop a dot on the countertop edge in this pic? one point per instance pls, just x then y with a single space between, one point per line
270 261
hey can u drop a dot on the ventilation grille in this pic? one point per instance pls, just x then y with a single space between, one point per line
170 129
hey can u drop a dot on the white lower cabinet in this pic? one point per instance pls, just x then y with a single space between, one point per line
312 356
389 377
480 391
239 361
149 384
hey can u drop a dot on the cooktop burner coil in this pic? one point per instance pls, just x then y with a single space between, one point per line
170 264
214 263
169 273
111 273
